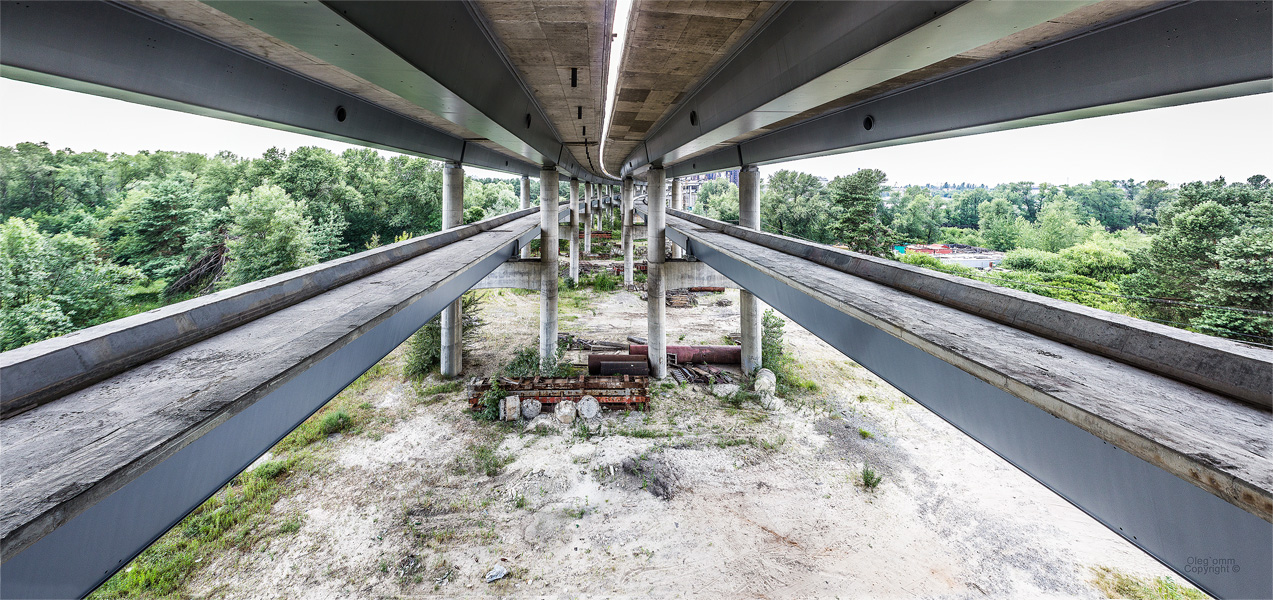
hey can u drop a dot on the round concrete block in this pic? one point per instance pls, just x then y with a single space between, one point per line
565 411
588 407
531 408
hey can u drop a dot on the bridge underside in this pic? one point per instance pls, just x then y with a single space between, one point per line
125 427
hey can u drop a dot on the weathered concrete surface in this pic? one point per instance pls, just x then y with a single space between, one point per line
1202 437
549 219
1225 366
573 233
525 250
47 370
676 204
452 319
656 293
90 443
628 230
519 274
749 308
683 273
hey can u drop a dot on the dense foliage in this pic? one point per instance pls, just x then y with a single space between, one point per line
88 237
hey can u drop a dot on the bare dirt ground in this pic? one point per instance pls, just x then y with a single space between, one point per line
758 504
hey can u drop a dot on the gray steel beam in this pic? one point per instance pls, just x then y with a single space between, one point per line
1187 53
812 53
437 55
114 51
1173 520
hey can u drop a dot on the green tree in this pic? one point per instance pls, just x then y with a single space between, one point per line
156 219
1103 201
858 197
963 212
53 285
718 199
998 224
269 235
920 217
1057 227
1241 278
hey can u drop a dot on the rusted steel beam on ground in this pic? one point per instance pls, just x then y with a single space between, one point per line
725 355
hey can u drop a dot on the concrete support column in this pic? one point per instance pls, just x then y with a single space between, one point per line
626 202
525 204
548 256
677 204
749 306
655 233
452 316
587 217
574 229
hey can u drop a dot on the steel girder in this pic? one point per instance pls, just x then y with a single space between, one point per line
1173 520
1181 54
435 54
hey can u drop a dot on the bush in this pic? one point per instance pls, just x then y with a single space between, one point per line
927 261
424 350
1096 261
604 282
1029 259
526 363
774 356
490 403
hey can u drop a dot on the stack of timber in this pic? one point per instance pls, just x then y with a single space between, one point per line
624 391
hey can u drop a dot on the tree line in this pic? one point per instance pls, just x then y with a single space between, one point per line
88 237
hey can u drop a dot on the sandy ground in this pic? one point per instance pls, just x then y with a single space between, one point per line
762 504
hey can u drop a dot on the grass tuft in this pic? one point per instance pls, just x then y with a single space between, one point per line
1116 584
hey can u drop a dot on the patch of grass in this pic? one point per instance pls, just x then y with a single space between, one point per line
870 478
646 433
489 405
775 357
522 292
526 363
866 435
484 459
520 502
1116 584
230 518
446 387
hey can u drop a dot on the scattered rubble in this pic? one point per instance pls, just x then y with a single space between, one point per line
588 407
657 475
496 574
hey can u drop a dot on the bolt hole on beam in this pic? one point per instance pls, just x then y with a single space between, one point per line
574 77
868 122
527 120
694 118
341 114
579 112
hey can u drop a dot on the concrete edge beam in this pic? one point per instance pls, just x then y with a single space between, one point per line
46 370
1225 366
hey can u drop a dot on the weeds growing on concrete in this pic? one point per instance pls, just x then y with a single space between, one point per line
870 478
1116 584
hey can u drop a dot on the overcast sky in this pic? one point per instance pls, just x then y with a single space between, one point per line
1231 138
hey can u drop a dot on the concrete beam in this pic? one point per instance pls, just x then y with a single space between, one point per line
514 274
197 415
573 232
680 273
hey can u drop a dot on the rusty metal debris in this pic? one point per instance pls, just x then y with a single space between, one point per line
725 355
623 391
699 374
578 343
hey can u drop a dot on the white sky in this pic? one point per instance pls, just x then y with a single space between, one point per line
1231 138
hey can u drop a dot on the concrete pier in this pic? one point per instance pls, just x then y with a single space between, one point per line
587 218
525 252
628 189
749 307
574 229
548 256
655 223
677 204
452 358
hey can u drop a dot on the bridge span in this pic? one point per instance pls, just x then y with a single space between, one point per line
114 433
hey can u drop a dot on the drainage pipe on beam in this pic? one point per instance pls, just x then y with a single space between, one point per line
677 251
574 229
452 316
749 217
548 256
628 186
525 252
